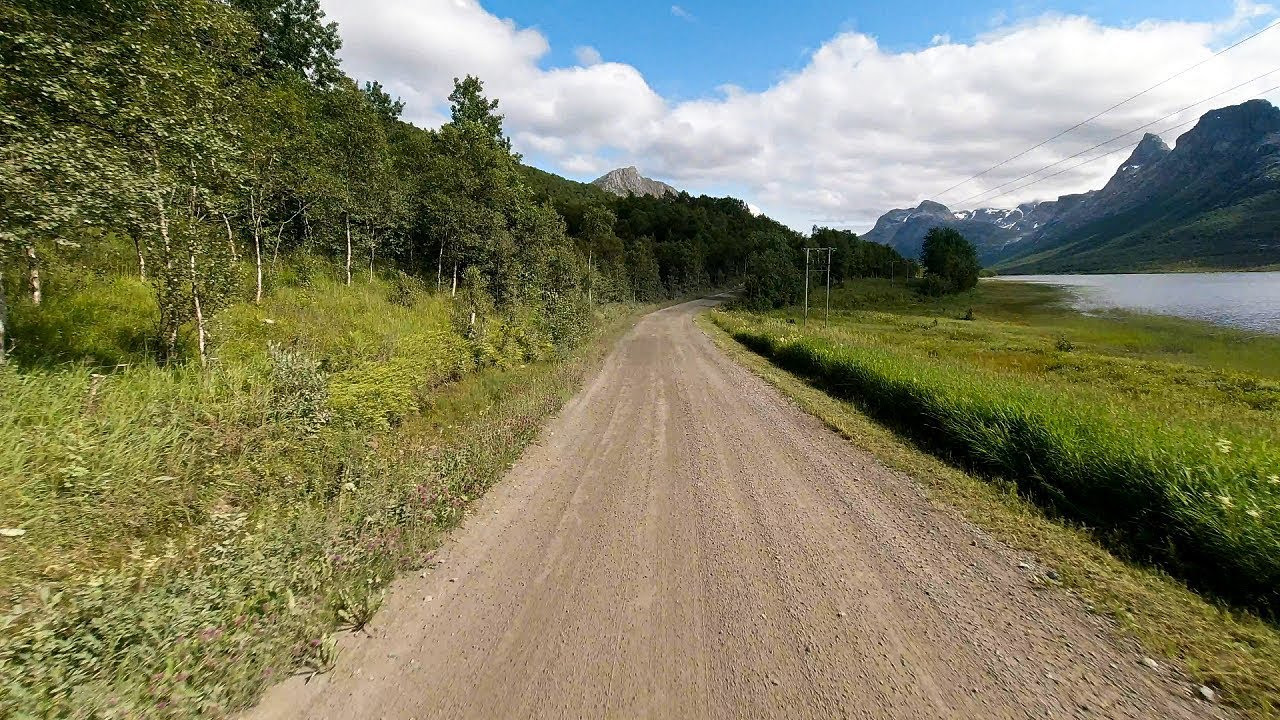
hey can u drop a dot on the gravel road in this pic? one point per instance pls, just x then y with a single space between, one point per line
682 541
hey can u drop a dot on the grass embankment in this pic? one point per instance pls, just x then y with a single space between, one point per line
192 536
1157 436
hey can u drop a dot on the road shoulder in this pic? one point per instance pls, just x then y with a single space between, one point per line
1149 614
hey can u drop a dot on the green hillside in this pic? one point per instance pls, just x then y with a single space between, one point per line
559 190
1172 235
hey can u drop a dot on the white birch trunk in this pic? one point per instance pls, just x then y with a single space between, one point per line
4 322
33 269
348 250
162 216
440 268
195 297
142 259
231 239
275 252
256 221
257 264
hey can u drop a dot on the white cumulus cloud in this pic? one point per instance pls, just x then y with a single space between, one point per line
858 130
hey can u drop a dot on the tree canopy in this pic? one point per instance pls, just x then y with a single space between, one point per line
950 261
215 140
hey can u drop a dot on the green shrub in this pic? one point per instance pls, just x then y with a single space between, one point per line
299 390
934 286
473 307
309 270
406 290
375 396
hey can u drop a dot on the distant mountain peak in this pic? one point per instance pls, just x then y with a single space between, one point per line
1225 130
933 207
1152 149
628 181
1211 198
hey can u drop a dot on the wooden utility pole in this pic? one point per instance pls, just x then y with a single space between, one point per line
809 255
806 287
827 320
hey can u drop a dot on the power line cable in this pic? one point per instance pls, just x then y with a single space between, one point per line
1117 137
1113 107
1106 154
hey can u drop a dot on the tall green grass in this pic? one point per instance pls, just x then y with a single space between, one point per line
190 535
1203 504
102 323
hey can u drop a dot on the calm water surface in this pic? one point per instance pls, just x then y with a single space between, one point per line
1244 300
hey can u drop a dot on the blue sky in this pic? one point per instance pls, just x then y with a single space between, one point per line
752 43
841 111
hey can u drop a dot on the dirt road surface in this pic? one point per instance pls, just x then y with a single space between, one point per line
684 542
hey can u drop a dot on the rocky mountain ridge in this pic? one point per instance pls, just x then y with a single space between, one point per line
628 181
1214 200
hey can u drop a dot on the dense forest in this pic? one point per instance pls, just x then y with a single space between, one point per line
203 146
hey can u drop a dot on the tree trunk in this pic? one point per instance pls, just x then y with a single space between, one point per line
257 262
142 259
373 243
440 268
591 279
33 270
348 250
275 252
168 310
454 291
231 239
256 222
195 298
4 322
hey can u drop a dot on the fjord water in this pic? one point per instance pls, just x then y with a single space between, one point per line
1248 300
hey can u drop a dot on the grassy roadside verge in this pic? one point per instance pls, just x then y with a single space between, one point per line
191 537
1234 652
1200 499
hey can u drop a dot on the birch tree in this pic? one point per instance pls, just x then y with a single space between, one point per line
60 162
356 144
476 190
293 40
183 156
281 159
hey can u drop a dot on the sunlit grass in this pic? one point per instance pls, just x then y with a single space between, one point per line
190 536
1159 434
1234 652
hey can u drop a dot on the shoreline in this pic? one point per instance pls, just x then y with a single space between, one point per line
1166 271
1094 295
